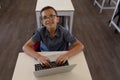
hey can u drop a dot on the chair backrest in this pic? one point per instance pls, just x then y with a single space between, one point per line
36 47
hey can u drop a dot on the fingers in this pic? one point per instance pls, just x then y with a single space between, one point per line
61 60
44 61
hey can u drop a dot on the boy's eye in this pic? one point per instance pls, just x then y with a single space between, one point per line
52 16
45 17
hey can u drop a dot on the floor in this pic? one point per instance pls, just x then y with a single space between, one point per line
102 45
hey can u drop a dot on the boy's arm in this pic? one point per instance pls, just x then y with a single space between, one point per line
77 48
27 48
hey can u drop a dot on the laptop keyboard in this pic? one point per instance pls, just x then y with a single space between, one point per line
53 65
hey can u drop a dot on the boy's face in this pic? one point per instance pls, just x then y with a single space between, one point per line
49 18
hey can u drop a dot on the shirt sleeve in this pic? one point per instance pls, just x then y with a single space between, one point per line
69 37
36 37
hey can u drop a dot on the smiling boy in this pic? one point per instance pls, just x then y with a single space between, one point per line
52 37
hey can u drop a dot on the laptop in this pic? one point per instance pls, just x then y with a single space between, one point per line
43 71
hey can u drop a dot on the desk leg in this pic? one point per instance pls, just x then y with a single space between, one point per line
71 21
38 19
0 7
66 23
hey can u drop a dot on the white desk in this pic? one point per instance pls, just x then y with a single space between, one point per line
25 67
63 7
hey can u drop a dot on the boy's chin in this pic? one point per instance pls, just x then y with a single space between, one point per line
51 27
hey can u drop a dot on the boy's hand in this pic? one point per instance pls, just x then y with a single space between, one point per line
44 61
61 59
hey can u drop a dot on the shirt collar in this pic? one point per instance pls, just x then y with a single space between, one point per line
57 34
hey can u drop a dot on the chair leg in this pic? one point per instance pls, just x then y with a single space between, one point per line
103 2
94 2
118 21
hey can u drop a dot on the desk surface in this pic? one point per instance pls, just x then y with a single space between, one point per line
59 5
25 67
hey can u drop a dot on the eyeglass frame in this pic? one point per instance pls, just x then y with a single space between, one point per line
48 17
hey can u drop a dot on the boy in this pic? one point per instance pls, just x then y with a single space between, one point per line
52 37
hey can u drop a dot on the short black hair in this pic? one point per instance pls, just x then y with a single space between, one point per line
46 8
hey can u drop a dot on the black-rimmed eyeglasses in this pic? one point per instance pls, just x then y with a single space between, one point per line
48 17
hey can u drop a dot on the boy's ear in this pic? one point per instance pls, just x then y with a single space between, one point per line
58 19
41 22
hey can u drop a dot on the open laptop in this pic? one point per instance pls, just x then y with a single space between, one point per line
53 70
